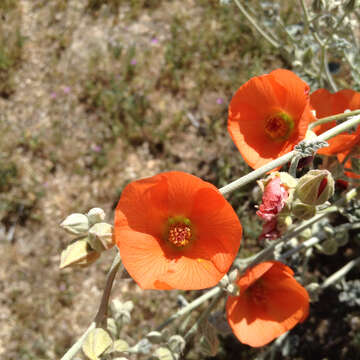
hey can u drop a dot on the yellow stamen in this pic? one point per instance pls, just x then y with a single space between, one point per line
279 126
179 234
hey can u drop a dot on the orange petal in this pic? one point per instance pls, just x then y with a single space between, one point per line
143 206
186 273
218 229
143 258
249 322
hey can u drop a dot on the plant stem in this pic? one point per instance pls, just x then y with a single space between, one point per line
252 21
340 273
203 316
102 312
287 157
333 118
191 306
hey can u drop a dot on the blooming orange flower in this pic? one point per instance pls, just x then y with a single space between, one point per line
176 231
268 115
327 104
270 303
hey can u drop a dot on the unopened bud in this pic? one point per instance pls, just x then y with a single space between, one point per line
328 247
283 223
302 211
233 289
177 344
77 224
96 215
305 234
163 353
315 187
318 5
155 337
101 237
313 290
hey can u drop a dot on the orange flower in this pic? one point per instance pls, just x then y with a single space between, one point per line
341 157
176 231
327 104
271 302
268 115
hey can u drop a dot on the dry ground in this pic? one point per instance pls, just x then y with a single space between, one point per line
95 94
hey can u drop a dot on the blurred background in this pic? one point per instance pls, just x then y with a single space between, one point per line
95 94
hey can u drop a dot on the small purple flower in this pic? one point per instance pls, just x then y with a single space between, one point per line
219 101
154 40
133 62
67 89
96 148
53 95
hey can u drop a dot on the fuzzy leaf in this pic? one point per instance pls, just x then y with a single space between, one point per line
78 253
97 341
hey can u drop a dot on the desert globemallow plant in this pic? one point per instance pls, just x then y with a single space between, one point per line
174 230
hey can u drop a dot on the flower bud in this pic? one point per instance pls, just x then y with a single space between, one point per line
318 5
101 237
302 211
96 215
315 187
328 247
155 337
111 327
283 223
305 234
77 224
163 353
177 344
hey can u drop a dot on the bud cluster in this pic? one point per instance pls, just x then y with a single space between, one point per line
285 198
93 236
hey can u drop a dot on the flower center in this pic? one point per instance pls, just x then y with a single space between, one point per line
279 126
258 293
179 231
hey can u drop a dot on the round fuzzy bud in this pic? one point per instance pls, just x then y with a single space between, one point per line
315 187
101 236
302 211
305 234
155 337
328 247
177 344
77 224
96 215
318 5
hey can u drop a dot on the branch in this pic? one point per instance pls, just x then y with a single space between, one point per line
102 312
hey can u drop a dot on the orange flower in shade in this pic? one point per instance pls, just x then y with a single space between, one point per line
176 231
341 157
270 303
268 115
327 104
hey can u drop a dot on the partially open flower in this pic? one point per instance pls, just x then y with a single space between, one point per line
176 231
327 104
269 115
270 303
